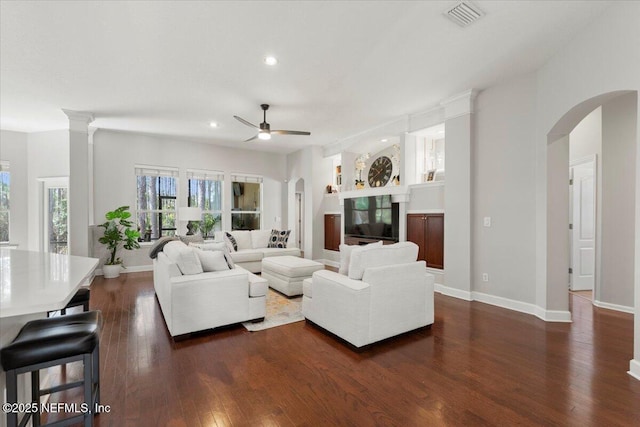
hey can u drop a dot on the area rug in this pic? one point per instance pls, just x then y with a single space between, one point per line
280 311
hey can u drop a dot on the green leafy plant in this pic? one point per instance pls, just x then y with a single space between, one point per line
117 231
207 224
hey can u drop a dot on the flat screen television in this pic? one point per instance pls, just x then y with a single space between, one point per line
374 217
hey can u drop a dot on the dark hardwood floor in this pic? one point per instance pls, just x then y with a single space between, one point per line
477 365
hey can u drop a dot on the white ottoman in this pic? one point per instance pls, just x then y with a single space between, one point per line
286 273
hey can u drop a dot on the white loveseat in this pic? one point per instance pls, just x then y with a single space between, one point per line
196 302
252 248
386 293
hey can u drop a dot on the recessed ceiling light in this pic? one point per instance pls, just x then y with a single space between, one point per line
384 140
213 124
440 131
270 60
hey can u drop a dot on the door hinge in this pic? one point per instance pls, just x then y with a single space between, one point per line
571 181
570 226
570 270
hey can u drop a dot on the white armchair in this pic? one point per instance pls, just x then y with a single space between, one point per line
391 298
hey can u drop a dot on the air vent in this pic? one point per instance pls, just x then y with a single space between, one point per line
464 13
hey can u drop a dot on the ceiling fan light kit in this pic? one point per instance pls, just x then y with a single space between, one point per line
264 130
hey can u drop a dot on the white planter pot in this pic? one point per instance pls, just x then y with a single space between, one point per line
111 271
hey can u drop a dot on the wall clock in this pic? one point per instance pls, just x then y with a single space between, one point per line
380 172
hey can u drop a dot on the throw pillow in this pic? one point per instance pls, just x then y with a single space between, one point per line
159 245
231 242
212 260
184 257
278 239
260 238
345 255
194 238
216 246
372 256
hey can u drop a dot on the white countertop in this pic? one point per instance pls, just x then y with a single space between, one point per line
38 282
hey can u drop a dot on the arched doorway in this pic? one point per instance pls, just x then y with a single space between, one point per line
615 261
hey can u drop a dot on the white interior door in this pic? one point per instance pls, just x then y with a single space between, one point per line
583 235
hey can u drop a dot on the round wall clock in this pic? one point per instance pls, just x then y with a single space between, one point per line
380 172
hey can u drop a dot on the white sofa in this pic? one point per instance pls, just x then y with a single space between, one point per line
196 302
252 248
386 293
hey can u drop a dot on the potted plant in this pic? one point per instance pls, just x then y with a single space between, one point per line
117 232
207 224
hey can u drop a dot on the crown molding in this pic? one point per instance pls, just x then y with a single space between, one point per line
459 105
78 120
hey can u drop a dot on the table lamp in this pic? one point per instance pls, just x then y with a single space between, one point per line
190 215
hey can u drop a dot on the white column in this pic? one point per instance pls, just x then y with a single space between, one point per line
457 195
78 195
92 217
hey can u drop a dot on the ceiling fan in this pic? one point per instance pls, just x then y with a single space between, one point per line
264 130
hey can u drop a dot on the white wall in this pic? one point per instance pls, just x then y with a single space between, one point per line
503 185
426 198
13 148
602 58
117 153
618 200
48 157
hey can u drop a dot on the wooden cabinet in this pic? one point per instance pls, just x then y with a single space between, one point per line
427 231
332 228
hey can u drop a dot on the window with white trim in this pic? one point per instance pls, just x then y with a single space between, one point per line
156 201
246 207
5 187
205 192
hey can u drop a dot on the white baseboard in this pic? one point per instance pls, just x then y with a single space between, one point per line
132 269
634 369
522 307
509 304
607 305
453 292
553 315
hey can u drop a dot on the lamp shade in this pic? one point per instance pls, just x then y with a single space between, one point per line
189 214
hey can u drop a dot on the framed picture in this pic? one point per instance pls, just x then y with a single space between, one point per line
431 175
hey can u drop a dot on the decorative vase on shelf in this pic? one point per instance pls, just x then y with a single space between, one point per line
359 184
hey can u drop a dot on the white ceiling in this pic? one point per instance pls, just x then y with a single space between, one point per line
172 67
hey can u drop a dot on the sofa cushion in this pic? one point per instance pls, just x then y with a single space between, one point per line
184 257
260 238
159 245
278 238
243 239
307 287
230 241
345 255
212 260
247 255
379 256
216 246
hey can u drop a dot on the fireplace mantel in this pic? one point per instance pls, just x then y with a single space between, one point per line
399 193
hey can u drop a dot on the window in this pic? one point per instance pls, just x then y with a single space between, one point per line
156 205
5 186
247 202
205 192
430 161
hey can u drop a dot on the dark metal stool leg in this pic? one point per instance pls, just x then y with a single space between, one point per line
12 396
35 396
96 373
88 389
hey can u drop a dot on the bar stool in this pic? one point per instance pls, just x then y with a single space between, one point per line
81 297
44 343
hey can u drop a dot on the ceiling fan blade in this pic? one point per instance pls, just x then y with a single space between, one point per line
251 139
241 120
290 132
